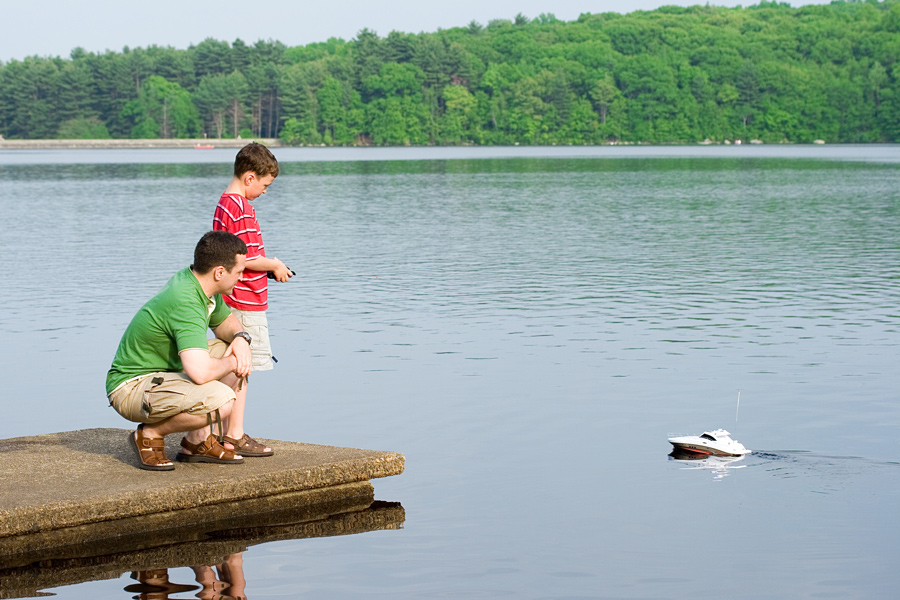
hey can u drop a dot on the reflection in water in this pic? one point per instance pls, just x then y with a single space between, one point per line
213 550
223 581
227 581
155 584
719 465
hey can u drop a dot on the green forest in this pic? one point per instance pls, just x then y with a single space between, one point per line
767 72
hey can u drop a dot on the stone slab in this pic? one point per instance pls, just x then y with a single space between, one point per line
89 476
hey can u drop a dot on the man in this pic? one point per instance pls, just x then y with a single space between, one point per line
168 377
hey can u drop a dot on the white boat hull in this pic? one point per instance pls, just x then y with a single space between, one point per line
711 443
699 449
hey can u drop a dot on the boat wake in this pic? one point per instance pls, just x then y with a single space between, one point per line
831 473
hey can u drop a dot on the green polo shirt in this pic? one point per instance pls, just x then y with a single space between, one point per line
176 319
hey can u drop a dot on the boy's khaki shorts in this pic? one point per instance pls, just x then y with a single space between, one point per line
158 396
256 324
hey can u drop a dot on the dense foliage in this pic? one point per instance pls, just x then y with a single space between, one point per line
769 72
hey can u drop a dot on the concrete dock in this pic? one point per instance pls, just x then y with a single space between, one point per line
75 494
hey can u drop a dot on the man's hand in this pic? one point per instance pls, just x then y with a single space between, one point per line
237 356
240 350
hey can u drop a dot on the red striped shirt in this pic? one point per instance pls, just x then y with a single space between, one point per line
235 215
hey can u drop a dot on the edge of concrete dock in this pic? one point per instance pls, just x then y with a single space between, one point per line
58 481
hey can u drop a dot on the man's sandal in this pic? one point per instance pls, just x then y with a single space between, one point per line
208 451
151 452
247 446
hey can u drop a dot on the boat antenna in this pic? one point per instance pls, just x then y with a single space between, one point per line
738 407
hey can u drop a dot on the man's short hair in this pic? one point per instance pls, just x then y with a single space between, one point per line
217 248
256 158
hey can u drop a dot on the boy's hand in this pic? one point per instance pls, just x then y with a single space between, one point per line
281 272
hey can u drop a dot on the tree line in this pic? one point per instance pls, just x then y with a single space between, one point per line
766 72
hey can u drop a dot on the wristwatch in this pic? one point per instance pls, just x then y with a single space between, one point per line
243 334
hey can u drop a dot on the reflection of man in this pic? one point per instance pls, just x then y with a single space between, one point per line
155 585
168 377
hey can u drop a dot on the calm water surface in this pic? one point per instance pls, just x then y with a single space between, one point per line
527 326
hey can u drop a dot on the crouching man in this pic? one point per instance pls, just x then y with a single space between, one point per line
170 378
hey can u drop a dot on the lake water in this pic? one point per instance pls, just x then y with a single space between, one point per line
526 325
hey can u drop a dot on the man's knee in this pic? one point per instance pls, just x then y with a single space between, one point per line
159 396
210 396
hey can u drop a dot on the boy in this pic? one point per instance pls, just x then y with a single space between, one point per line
255 168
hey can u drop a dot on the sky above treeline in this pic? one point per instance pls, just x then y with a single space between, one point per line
55 27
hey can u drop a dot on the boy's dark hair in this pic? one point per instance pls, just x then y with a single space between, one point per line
256 158
217 248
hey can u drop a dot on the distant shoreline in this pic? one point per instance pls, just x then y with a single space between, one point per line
122 144
205 143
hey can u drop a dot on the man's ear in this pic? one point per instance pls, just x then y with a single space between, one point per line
218 272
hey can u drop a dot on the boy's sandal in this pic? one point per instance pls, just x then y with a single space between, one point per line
247 446
151 452
208 451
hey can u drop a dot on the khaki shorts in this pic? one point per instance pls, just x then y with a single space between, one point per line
256 324
158 396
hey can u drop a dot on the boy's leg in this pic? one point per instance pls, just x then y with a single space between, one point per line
234 425
256 323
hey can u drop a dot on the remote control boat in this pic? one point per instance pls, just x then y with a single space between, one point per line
716 443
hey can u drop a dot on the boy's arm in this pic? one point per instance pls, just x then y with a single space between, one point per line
262 263
222 221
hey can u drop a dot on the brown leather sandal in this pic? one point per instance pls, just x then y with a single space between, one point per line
208 451
151 452
247 446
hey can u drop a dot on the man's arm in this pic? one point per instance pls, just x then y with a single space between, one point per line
202 368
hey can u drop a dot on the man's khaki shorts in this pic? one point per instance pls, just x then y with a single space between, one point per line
158 396
256 324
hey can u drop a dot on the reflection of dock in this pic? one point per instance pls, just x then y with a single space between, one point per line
77 498
187 546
